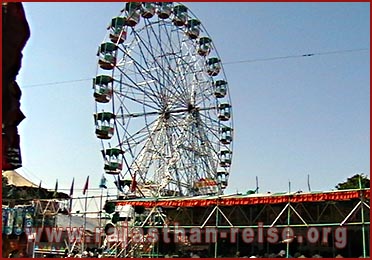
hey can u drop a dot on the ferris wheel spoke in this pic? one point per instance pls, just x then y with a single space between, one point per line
148 71
136 100
163 69
167 55
176 70
132 140
170 61
136 87
152 52
150 95
212 125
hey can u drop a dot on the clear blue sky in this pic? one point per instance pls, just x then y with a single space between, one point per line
292 116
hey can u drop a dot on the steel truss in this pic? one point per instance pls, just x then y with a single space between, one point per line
290 210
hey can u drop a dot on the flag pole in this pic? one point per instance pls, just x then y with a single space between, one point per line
100 209
70 224
85 220
85 192
70 211
102 186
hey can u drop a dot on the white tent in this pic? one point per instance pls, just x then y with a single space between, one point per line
14 178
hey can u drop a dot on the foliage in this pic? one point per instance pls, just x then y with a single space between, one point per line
353 182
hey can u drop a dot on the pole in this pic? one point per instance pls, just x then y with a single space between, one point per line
85 221
100 209
70 211
70 224
288 222
362 213
288 218
216 244
33 247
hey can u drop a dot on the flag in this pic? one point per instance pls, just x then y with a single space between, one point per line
71 193
55 189
72 187
39 190
86 186
102 184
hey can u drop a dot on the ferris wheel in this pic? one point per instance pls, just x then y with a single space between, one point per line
163 109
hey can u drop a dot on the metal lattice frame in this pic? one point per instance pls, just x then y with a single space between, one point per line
300 216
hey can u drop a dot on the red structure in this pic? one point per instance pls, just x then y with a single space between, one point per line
328 214
15 33
236 200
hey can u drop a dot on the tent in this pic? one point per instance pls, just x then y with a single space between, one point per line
14 178
19 190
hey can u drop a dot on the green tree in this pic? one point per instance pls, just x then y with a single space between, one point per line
353 182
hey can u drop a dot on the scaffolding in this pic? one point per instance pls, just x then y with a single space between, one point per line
296 218
229 219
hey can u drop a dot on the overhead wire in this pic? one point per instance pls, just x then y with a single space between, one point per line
295 56
227 63
55 83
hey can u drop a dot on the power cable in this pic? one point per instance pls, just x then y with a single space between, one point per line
55 83
226 63
295 56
